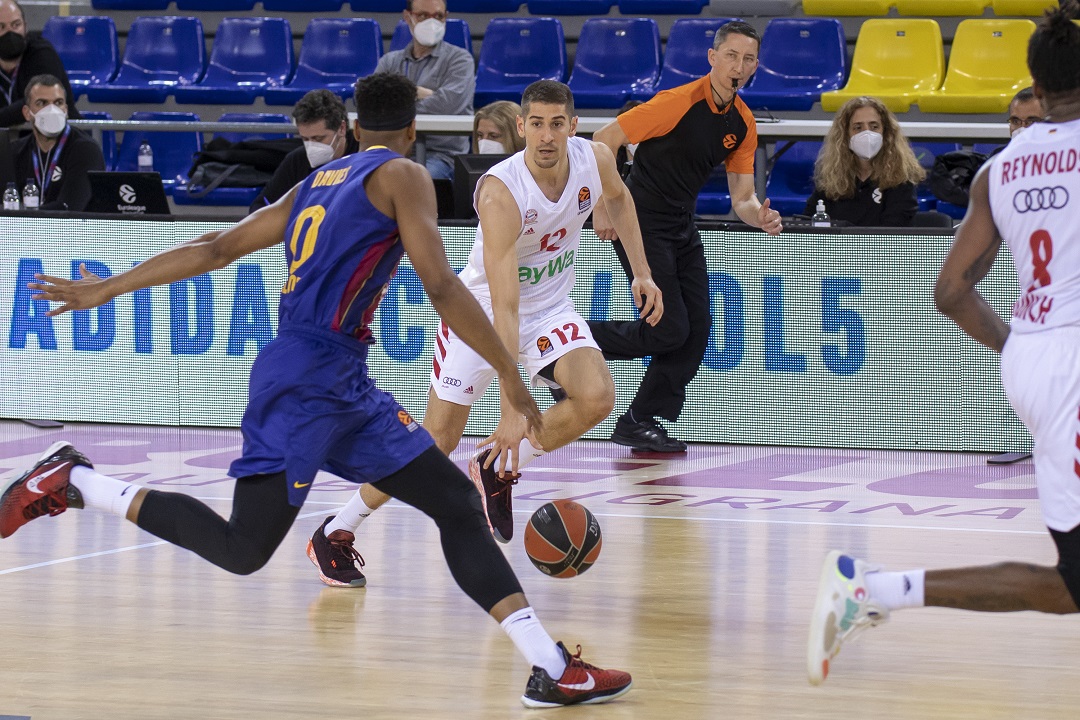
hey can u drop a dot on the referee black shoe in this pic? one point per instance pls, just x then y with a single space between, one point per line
646 436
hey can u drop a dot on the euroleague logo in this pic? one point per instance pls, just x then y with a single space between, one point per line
406 419
1047 198
729 141
127 193
543 344
584 199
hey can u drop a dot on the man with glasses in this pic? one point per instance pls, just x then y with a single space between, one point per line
445 78
1024 111
24 55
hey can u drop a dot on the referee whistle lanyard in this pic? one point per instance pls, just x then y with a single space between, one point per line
54 158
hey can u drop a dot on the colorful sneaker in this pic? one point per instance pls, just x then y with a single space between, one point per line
844 609
44 489
336 557
495 494
580 684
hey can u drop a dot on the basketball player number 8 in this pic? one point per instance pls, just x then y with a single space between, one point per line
315 215
1042 250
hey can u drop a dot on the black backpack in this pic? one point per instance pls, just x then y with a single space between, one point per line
952 173
248 163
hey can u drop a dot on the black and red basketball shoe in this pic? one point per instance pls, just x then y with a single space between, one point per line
495 492
44 489
580 684
336 557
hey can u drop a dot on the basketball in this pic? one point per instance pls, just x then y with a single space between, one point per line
563 539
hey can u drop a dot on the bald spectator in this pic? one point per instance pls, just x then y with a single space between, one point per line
24 55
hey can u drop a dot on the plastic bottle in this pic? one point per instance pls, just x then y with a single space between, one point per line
11 197
146 157
821 218
31 197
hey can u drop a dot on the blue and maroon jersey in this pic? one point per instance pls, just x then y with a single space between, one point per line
341 251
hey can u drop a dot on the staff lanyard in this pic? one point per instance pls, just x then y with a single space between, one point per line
54 158
11 88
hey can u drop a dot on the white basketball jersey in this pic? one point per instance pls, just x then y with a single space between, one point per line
1035 201
549 233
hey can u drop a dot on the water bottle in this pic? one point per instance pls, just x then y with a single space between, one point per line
146 157
821 218
11 197
30 197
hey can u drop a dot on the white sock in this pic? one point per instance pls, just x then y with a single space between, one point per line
102 492
527 453
533 641
896 590
349 517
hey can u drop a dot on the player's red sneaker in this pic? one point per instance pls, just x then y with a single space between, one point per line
336 557
44 489
580 684
495 493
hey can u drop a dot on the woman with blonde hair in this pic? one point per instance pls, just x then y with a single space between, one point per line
866 172
495 129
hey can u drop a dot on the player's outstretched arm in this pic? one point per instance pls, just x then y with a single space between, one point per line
746 205
623 214
972 255
208 252
405 189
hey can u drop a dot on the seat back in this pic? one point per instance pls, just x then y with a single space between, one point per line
661 7
989 55
271 118
163 50
687 55
791 180
457 33
173 151
108 137
250 51
941 7
617 59
516 52
894 56
847 7
215 5
800 59
338 50
570 7
87 45
1032 8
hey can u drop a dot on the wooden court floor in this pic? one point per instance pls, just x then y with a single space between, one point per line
702 591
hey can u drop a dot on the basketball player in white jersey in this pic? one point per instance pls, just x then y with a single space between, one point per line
1029 194
531 207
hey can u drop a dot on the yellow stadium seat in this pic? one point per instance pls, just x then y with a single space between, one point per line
847 7
895 61
1022 7
987 66
941 8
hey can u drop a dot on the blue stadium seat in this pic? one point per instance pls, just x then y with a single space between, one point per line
926 152
800 59
88 47
215 5
791 181
249 55
336 51
161 54
570 7
639 8
269 118
617 59
108 137
516 52
687 56
714 198
373 6
173 151
484 6
457 33
130 4
308 6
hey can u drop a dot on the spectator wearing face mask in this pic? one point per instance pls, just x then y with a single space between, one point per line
866 172
25 55
55 155
495 129
445 77
322 123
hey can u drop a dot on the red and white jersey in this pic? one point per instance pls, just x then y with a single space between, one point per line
1035 201
549 232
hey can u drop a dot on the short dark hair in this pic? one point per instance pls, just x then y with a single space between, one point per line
1054 50
549 92
1024 95
44 80
322 105
735 27
385 101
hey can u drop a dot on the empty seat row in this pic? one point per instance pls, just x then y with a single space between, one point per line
1005 8
535 7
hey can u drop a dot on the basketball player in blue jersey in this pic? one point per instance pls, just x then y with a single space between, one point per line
311 403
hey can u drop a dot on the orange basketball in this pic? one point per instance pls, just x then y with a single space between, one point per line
563 539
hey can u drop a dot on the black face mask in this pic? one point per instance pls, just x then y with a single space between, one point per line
12 45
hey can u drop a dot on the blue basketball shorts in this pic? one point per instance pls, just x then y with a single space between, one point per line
312 406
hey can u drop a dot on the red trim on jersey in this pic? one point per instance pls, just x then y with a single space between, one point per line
363 272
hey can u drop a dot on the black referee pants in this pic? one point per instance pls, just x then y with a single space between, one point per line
678 342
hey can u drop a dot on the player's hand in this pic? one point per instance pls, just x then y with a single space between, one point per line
87 292
769 219
649 300
505 442
520 400
601 222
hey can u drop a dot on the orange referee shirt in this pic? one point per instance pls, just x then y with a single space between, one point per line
683 136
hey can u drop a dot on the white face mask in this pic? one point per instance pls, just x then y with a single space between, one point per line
429 33
319 153
490 147
50 120
866 144
1017 131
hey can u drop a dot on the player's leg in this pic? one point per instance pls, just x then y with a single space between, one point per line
584 376
63 477
434 485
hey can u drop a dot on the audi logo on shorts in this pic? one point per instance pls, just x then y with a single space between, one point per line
1047 198
452 382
